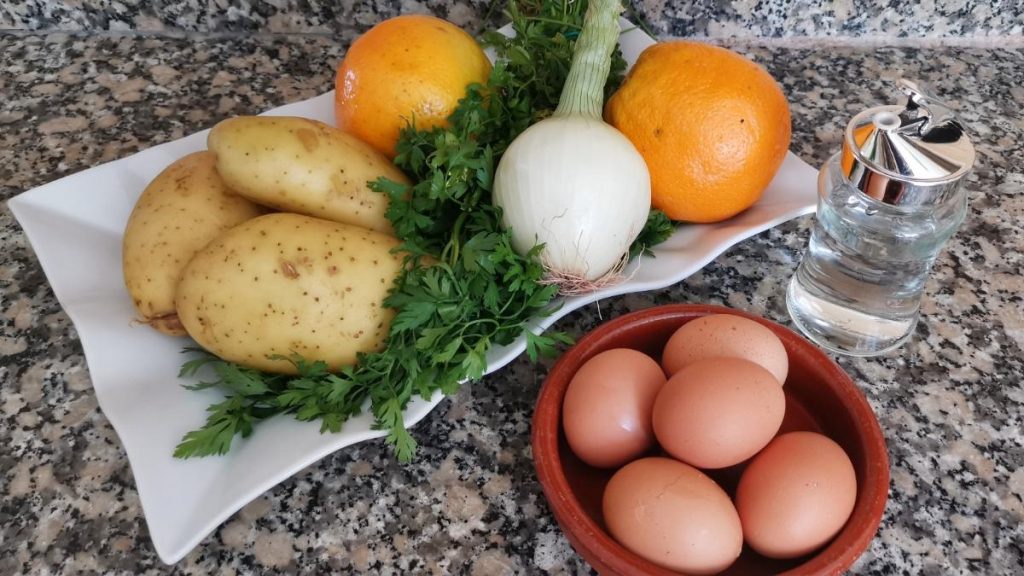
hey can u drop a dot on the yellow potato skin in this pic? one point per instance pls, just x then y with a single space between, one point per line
185 207
285 283
304 166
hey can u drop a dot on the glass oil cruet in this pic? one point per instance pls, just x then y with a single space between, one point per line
887 203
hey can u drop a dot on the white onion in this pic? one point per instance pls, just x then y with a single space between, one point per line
573 182
579 187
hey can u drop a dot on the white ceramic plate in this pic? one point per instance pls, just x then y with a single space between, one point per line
75 226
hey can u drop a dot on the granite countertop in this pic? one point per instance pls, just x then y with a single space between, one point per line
949 402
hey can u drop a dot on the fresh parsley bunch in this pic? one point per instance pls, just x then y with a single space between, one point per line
464 288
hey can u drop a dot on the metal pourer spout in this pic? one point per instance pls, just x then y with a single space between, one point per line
911 155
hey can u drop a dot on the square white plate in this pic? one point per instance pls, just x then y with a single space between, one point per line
75 226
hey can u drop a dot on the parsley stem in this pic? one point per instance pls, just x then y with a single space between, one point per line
454 243
552 21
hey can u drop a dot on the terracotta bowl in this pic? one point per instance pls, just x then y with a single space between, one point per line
819 397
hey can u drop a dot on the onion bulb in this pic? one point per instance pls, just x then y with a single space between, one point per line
572 182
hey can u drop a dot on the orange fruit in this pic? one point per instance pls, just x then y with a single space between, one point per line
712 126
407 68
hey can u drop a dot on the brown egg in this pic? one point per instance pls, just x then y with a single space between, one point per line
673 515
606 413
718 412
719 335
796 495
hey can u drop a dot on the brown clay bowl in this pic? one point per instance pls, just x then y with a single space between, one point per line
820 397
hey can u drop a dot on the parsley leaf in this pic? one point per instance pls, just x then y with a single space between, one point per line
657 229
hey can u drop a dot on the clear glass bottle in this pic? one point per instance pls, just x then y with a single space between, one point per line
887 203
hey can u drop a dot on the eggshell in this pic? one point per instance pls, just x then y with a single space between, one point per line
720 335
606 413
718 412
796 495
673 515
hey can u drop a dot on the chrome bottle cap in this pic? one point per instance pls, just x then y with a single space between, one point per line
912 155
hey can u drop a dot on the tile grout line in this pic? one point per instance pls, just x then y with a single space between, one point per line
867 42
178 34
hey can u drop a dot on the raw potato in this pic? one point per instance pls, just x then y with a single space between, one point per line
285 283
180 211
304 166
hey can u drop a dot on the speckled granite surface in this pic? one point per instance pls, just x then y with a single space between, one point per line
950 403
714 18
